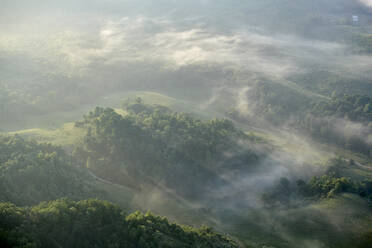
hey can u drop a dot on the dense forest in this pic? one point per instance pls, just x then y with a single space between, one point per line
94 223
32 172
351 107
153 144
329 185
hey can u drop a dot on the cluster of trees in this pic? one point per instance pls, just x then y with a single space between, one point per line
275 102
330 83
324 120
351 107
203 141
153 144
328 185
328 120
95 223
339 132
31 172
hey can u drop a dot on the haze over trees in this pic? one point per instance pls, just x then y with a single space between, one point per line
151 143
90 223
243 123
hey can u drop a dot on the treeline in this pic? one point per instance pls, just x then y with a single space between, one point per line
351 107
329 83
31 172
275 102
329 185
343 133
151 144
95 223
344 120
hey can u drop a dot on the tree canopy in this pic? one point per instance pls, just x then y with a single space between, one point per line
95 223
31 172
157 145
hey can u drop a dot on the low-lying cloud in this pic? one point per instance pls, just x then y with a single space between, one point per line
160 42
366 2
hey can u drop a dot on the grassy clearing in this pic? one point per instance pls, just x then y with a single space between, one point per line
300 90
66 135
358 173
319 153
348 211
51 120
361 158
363 168
300 148
119 194
338 220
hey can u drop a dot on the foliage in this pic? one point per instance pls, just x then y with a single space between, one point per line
32 172
343 133
344 120
332 183
276 102
155 145
94 223
329 185
352 107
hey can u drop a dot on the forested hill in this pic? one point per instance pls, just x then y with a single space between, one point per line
151 144
32 172
335 118
352 107
94 223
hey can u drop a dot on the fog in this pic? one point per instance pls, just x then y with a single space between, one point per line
211 53
79 38
367 2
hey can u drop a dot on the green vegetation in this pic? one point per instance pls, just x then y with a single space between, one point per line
275 102
32 172
144 146
329 185
66 136
351 107
343 120
342 221
94 223
275 91
151 144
